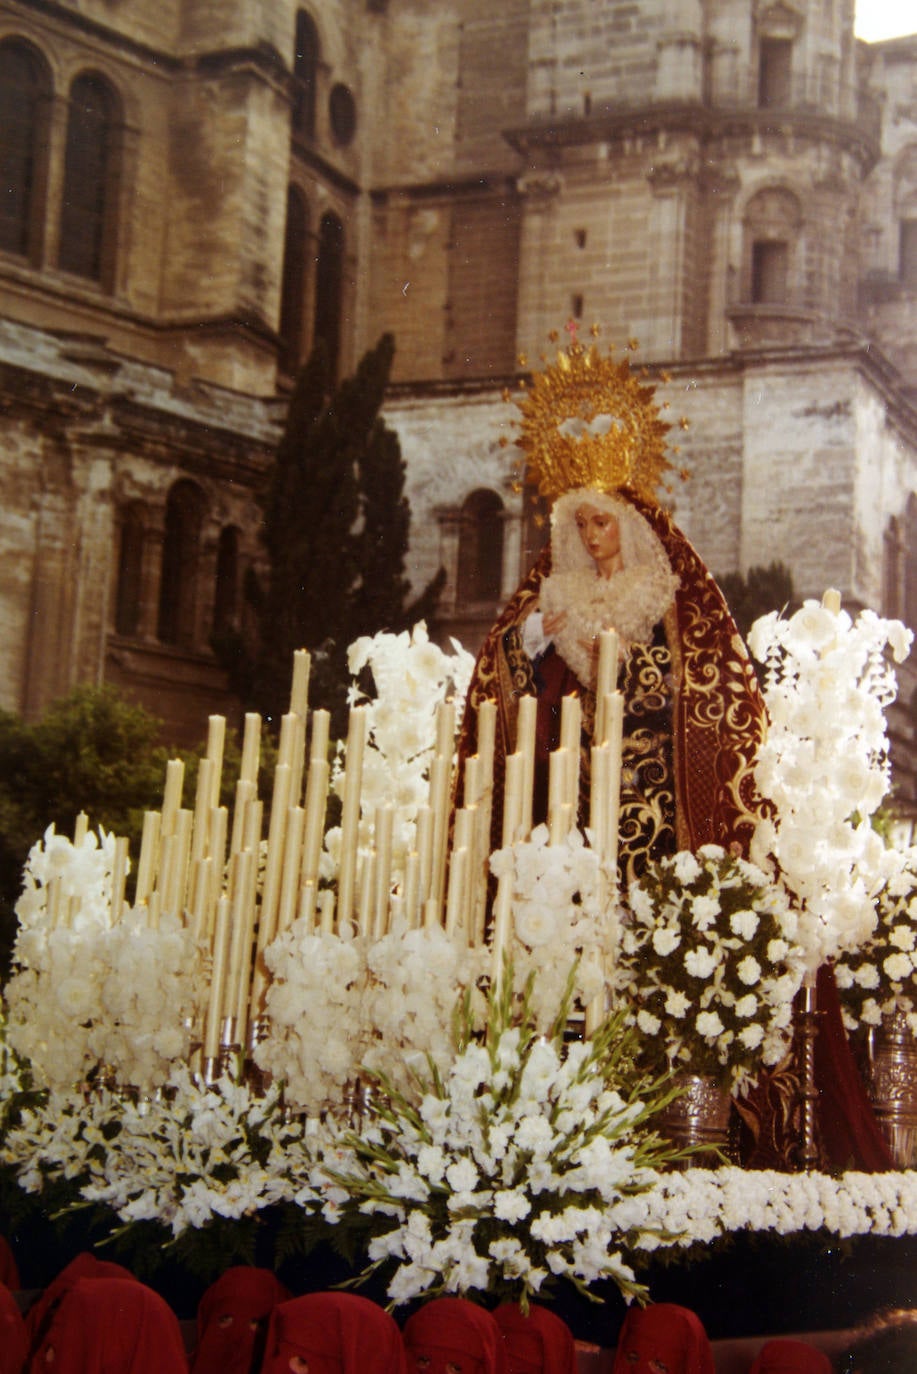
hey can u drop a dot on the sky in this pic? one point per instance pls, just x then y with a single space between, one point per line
876 19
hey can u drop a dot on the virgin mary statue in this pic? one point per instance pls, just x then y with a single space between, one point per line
593 440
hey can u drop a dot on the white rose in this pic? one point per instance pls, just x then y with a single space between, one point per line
709 1025
462 1176
536 924
898 967
751 1036
744 923
511 1205
704 911
647 1022
676 1003
685 867
665 940
749 970
902 937
700 963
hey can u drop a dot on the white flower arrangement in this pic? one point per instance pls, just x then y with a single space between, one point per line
824 765
182 1158
470 1169
709 965
880 977
524 1163
316 1033
411 676
337 1003
414 979
559 906
96 993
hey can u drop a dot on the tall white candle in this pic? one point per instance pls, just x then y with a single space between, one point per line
270 895
445 729
384 828
218 975
203 805
424 841
525 745
615 714
118 877
299 688
440 775
411 888
292 860
219 825
350 812
251 748
216 740
314 830
171 800
607 674
149 855
557 778
318 742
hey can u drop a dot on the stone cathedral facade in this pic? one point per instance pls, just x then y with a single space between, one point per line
194 191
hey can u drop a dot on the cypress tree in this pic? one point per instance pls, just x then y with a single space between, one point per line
335 530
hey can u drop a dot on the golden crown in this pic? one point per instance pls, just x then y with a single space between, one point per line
588 420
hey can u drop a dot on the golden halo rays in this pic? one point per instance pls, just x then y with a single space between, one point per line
588 420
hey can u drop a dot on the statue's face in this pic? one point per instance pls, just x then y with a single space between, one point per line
600 533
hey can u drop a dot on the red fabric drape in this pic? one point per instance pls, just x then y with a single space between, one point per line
335 1333
454 1331
104 1324
539 1343
663 1334
228 1318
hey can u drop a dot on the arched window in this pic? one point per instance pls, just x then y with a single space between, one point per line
329 286
293 288
772 227
90 177
24 91
775 73
770 260
130 569
180 553
305 75
909 609
226 592
892 571
480 554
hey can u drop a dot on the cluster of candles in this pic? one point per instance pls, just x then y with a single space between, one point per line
237 902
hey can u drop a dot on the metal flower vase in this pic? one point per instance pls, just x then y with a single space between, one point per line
698 1118
894 1087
